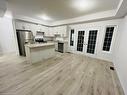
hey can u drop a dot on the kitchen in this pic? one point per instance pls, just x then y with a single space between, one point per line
37 35
63 47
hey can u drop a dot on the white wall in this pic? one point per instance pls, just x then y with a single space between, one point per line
7 39
101 25
120 54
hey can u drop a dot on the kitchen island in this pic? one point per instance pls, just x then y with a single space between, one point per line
38 52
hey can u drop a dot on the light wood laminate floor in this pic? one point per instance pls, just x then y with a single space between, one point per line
64 74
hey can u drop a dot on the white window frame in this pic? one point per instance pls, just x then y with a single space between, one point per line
113 38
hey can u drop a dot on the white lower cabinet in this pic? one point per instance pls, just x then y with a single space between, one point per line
56 46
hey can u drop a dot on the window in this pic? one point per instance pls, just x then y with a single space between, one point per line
108 38
72 38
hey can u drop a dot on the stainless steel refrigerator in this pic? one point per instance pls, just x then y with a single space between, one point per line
24 37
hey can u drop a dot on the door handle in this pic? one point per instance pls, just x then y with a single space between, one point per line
85 44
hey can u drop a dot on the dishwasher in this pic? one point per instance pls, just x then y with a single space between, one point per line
60 47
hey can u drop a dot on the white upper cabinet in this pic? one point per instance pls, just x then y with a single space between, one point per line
61 30
49 31
64 31
26 26
22 25
18 25
30 26
33 28
38 27
45 30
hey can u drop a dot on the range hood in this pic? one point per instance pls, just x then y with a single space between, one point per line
3 7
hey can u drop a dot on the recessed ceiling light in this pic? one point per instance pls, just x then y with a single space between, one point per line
45 17
83 5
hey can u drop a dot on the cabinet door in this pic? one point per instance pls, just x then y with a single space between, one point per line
19 25
38 27
26 26
50 32
42 28
54 29
23 25
45 30
63 31
33 28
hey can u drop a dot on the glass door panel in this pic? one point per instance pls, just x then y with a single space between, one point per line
92 41
80 40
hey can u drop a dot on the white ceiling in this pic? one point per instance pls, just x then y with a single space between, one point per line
58 9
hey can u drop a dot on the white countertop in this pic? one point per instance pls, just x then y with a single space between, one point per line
39 45
64 41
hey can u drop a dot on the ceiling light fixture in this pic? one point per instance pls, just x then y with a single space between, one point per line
83 5
45 17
